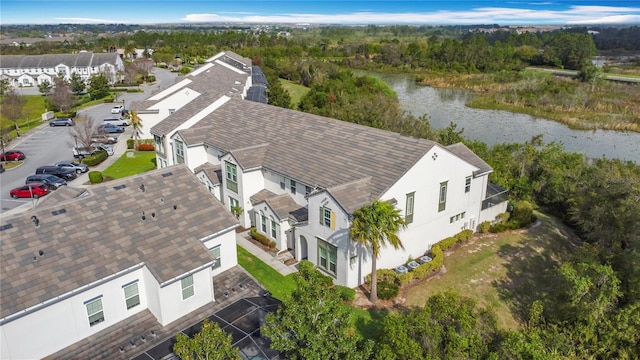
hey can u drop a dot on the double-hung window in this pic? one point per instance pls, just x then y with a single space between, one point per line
467 184
408 213
187 287
131 294
327 217
233 203
292 185
327 257
232 176
95 311
442 199
274 229
215 252
179 152
263 223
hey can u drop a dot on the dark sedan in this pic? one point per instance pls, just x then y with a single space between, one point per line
12 155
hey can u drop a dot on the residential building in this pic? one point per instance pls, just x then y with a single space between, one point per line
33 70
299 177
84 261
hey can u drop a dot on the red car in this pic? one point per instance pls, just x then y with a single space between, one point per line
30 190
12 155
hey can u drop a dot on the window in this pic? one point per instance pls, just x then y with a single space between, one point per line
171 111
159 144
179 152
274 230
307 190
215 252
187 287
293 186
282 184
327 217
442 201
131 295
263 223
232 176
467 184
94 311
233 202
408 213
327 257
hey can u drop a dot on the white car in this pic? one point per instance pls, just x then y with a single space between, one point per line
117 109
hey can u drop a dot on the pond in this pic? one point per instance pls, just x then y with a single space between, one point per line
444 106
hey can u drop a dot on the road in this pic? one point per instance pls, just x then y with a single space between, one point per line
573 73
46 145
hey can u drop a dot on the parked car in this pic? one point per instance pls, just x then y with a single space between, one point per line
80 152
77 167
110 128
118 109
120 121
61 122
60 172
52 181
104 138
12 155
30 191
99 146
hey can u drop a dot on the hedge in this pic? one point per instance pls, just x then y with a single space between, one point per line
261 238
387 290
95 158
346 293
95 177
140 142
146 147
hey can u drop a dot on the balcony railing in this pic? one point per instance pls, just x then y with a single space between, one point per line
495 195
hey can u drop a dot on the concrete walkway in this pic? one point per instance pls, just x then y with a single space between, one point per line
273 261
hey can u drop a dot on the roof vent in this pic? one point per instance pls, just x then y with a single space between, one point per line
167 174
153 215
41 252
119 187
143 216
36 221
58 212
142 187
175 207
6 227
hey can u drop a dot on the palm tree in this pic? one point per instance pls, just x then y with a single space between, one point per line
374 226
136 125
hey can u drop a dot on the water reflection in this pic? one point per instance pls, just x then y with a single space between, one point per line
497 126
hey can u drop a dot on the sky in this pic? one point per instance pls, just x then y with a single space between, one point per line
422 12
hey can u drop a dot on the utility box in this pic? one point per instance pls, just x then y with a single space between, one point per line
48 116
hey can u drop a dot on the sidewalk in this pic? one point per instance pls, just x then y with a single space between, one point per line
264 256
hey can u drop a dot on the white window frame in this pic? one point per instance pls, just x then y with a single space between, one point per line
292 185
231 174
128 295
330 265
467 184
217 258
186 284
179 152
263 222
325 216
442 197
408 213
274 228
94 307
233 202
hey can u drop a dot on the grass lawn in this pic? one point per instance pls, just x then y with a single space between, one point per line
296 91
128 165
505 272
278 285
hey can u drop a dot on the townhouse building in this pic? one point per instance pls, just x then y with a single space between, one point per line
33 70
87 260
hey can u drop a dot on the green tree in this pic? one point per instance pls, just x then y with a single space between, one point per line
374 226
211 343
98 86
60 95
4 86
449 135
44 87
449 326
77 84
313 323
12 108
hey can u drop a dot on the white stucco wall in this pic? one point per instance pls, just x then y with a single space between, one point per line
228 250
282 225
173 306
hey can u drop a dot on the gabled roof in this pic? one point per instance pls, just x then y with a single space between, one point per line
250 157
353 195
310 148
184 113
261 196
463 152
86 239
213 172
286 208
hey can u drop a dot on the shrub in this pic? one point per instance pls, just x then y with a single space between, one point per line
404 279
523 212
484 227
345 293
447 243
261 238
387 290
504 226
464 235
146 147
95 158
140 142
95 177
503 217
388 275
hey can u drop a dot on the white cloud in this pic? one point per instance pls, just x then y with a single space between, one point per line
482 15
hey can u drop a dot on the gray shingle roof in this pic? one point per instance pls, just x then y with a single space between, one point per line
91 237
286 208
353 195
310 148
81 59
251 157
462 151
213 172
261 196
184 113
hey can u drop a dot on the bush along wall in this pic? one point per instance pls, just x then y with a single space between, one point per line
95 158
261 238
95 177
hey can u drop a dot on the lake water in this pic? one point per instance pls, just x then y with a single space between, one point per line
497 126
